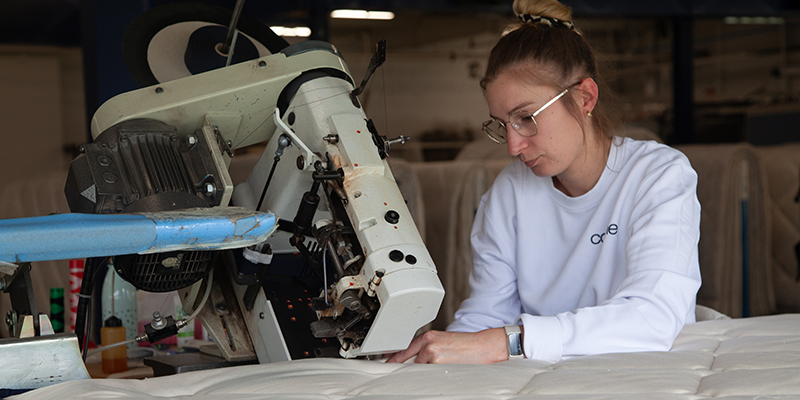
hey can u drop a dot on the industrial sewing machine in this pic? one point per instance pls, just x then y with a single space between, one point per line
323 172
344 270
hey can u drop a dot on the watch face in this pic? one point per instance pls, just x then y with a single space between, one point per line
514 344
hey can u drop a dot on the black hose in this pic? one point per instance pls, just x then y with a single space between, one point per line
84 298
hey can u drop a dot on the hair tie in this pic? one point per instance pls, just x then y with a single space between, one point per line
535 19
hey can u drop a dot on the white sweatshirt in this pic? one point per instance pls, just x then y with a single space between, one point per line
613 270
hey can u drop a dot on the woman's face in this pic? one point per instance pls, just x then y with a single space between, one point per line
560 139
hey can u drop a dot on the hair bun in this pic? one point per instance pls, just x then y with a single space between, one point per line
538 19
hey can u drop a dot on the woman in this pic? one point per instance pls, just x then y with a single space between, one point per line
588 243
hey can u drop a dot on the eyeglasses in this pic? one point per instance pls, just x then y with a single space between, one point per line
523 122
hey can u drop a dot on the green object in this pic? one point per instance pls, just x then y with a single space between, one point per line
57 309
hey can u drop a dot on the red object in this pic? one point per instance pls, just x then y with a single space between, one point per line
75 278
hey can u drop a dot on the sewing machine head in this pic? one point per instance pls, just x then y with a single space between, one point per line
347 269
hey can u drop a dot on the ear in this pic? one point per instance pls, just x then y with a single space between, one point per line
587 95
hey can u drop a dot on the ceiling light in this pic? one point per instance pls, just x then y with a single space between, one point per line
754 20
298 31
362 14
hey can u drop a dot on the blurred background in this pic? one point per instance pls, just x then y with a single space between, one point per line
702 71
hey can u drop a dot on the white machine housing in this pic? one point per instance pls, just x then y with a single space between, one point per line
241 102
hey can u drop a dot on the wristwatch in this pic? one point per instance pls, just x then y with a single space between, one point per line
514 335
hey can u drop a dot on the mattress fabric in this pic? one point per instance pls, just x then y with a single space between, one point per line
729 359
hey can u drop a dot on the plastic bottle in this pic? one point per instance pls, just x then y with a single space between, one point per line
115 359
119 300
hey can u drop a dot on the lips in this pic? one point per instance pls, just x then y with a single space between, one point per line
531 163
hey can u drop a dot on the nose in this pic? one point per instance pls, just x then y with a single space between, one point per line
515 142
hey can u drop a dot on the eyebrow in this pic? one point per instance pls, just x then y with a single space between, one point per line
515 109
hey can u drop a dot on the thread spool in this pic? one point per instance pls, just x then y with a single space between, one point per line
75 278
57 309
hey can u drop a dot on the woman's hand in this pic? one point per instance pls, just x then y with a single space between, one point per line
436 347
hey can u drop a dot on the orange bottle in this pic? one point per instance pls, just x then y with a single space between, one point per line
115 359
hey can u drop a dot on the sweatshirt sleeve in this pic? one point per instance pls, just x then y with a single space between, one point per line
658 295
493 300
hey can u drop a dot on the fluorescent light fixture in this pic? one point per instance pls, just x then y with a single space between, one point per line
298 31
362 14
754 20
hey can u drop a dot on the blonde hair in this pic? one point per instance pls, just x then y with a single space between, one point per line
545 54
544 8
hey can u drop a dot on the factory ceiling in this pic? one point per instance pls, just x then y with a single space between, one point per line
58 22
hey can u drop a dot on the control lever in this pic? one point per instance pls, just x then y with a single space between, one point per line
377 60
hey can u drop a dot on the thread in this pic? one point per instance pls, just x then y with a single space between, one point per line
75 278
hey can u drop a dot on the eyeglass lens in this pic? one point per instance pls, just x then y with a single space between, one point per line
522 122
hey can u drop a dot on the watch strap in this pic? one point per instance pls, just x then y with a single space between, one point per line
514 337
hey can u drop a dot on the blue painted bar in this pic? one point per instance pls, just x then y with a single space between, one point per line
68 236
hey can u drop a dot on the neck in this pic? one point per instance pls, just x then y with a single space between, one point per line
581 177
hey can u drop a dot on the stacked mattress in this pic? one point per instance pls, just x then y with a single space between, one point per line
730 359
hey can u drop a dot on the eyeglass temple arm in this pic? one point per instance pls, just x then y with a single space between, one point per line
553 100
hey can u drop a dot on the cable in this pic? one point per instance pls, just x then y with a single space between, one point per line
205 297
111 346
325 275
82 323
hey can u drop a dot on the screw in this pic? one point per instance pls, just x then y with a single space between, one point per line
332 138
192 140
222 307
110 177
261 315
158 322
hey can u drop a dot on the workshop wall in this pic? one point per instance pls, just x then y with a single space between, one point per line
428 88
41 89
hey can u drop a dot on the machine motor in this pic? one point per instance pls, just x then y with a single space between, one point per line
144 165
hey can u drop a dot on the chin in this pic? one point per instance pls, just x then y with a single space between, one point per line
541 172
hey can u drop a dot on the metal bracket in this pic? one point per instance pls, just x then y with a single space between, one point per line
20 289
224 322
310 157
40 361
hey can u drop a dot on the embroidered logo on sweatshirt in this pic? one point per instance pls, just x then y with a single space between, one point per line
598 238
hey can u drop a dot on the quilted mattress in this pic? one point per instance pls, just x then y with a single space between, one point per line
724 359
